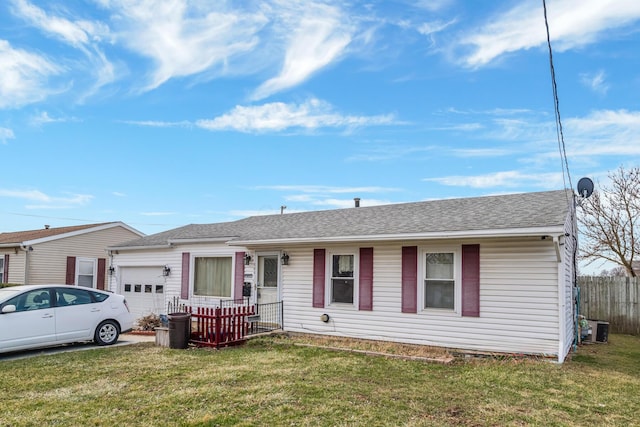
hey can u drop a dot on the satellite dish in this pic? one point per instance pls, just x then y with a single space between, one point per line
585 187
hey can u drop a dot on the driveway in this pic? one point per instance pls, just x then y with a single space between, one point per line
125 339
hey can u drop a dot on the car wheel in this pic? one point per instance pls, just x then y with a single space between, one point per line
107 333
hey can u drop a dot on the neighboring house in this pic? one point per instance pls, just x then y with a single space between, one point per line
73 255
486 274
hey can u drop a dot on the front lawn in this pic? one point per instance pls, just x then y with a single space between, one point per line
271 382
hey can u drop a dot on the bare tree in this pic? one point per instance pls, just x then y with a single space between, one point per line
610 221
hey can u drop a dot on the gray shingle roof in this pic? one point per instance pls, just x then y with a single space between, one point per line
512 211
18 237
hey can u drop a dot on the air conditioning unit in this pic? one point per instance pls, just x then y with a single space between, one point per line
599 331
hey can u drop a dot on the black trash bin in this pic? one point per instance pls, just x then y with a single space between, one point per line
179 329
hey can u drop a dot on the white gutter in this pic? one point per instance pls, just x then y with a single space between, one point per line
138 248
513 232
202 240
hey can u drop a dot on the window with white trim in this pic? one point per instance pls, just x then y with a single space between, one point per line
2 269
212 276
86 272
342 270
439 280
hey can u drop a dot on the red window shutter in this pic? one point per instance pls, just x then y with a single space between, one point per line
318 277
184 285
409 279
102 264
71 270
471 280
239 276
366 279
5 275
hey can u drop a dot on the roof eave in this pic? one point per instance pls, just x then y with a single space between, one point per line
494 233
80 232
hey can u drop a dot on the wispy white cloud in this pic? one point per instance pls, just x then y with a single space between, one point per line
46 201
595 81
158 124
5 135
604 132
119 194
505 179
522 27
183 38
429 28
481 152
81 34
312 114
43 118
317 35
24 76
77 33
314 196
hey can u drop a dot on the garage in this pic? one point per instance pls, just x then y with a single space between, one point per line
144 289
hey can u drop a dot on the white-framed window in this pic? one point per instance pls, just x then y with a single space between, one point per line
2 278
342 287
212 276
441 273
86 272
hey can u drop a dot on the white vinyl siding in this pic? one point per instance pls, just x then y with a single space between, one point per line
172 257
518 301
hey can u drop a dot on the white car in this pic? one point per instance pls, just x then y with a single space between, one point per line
34 316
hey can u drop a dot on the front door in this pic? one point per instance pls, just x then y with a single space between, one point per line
268 278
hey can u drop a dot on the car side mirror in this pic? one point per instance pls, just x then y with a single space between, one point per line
9 308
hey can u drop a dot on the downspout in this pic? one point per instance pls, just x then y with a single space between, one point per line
556 245
561 302
27 250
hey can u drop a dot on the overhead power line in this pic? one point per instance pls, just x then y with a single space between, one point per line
559 133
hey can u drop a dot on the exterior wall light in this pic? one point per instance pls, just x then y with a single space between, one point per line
247 259
166 270
111 270
284 259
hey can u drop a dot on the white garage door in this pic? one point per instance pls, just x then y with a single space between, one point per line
144 288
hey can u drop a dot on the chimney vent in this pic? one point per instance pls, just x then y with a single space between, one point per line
46 226
357 201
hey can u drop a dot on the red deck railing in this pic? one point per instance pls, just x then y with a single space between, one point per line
219 327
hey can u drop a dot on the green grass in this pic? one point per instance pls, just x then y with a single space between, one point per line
271 382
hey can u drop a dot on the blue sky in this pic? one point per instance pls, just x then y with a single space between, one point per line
164 113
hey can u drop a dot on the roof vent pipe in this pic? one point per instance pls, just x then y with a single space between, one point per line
46 226
357 201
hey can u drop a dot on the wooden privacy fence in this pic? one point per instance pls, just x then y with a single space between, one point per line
612 299
219 327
